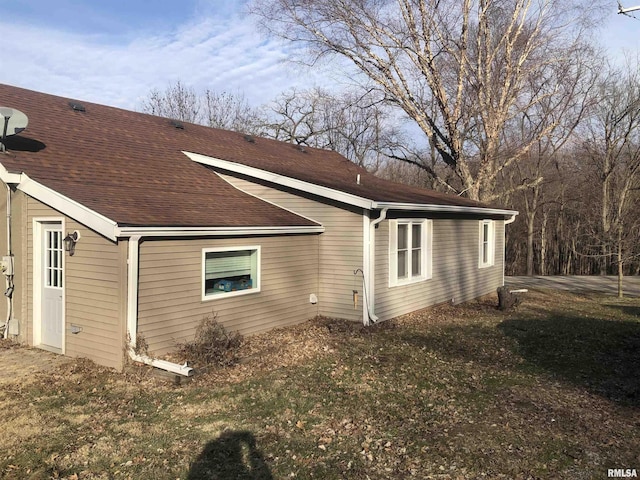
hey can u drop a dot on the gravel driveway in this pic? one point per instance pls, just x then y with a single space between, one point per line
578 283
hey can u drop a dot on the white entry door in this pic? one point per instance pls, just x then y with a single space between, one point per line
52 285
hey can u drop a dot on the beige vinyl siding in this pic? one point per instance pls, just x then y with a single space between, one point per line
170 305
340 245
455 272
93 290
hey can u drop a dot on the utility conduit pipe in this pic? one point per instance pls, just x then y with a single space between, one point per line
9 279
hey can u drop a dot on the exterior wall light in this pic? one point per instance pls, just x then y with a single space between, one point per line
70 242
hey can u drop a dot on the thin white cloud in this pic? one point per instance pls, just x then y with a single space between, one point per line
216 52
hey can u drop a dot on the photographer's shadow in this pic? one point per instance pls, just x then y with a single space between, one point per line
233 455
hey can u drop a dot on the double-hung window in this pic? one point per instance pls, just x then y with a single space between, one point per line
230 271
409 251
486 247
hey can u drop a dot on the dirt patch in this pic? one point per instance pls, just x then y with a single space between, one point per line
19 363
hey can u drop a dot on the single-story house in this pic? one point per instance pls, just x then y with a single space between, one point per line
122 224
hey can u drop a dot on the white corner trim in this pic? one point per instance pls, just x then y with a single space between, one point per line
133 260
283 180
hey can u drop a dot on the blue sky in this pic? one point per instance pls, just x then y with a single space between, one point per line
115 51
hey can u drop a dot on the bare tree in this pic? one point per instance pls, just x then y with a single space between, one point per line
459 68
177 102
215 109
612 145
229 111
354 124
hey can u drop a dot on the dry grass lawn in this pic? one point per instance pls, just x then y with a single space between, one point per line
551 390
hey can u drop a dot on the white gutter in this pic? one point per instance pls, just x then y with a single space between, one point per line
444 208
132 314
369 275
217 231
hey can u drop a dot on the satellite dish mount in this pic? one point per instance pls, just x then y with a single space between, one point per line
12 121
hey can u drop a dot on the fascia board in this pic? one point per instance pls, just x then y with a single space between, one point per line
460 209
214 231
283 180
92 219
9 178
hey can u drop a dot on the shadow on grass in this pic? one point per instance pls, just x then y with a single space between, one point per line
233 455
600 355
628 309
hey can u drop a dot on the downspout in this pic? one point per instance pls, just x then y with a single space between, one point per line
132 314
504 242
370 272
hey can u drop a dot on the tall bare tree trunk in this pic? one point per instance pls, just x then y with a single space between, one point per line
543 243
620 263
530 225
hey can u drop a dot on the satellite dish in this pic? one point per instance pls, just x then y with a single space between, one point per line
12 121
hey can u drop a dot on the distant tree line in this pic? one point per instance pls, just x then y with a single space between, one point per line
503 101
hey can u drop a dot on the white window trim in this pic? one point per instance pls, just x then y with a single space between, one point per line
491 244
426 248
237 293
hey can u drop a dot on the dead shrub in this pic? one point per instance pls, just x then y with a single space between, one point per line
212 345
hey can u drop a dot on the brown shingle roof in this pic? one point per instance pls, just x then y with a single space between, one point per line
128 166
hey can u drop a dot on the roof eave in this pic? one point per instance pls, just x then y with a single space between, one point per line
92 219
110 229
282 180
338 195
433 208
216 231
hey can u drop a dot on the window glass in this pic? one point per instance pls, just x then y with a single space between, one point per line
402 236
53 256
416 237
410 244
230 271
416 244
416 263
402 264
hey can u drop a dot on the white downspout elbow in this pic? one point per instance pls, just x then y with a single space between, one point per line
132 315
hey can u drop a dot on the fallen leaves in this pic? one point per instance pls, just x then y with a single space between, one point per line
442 393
